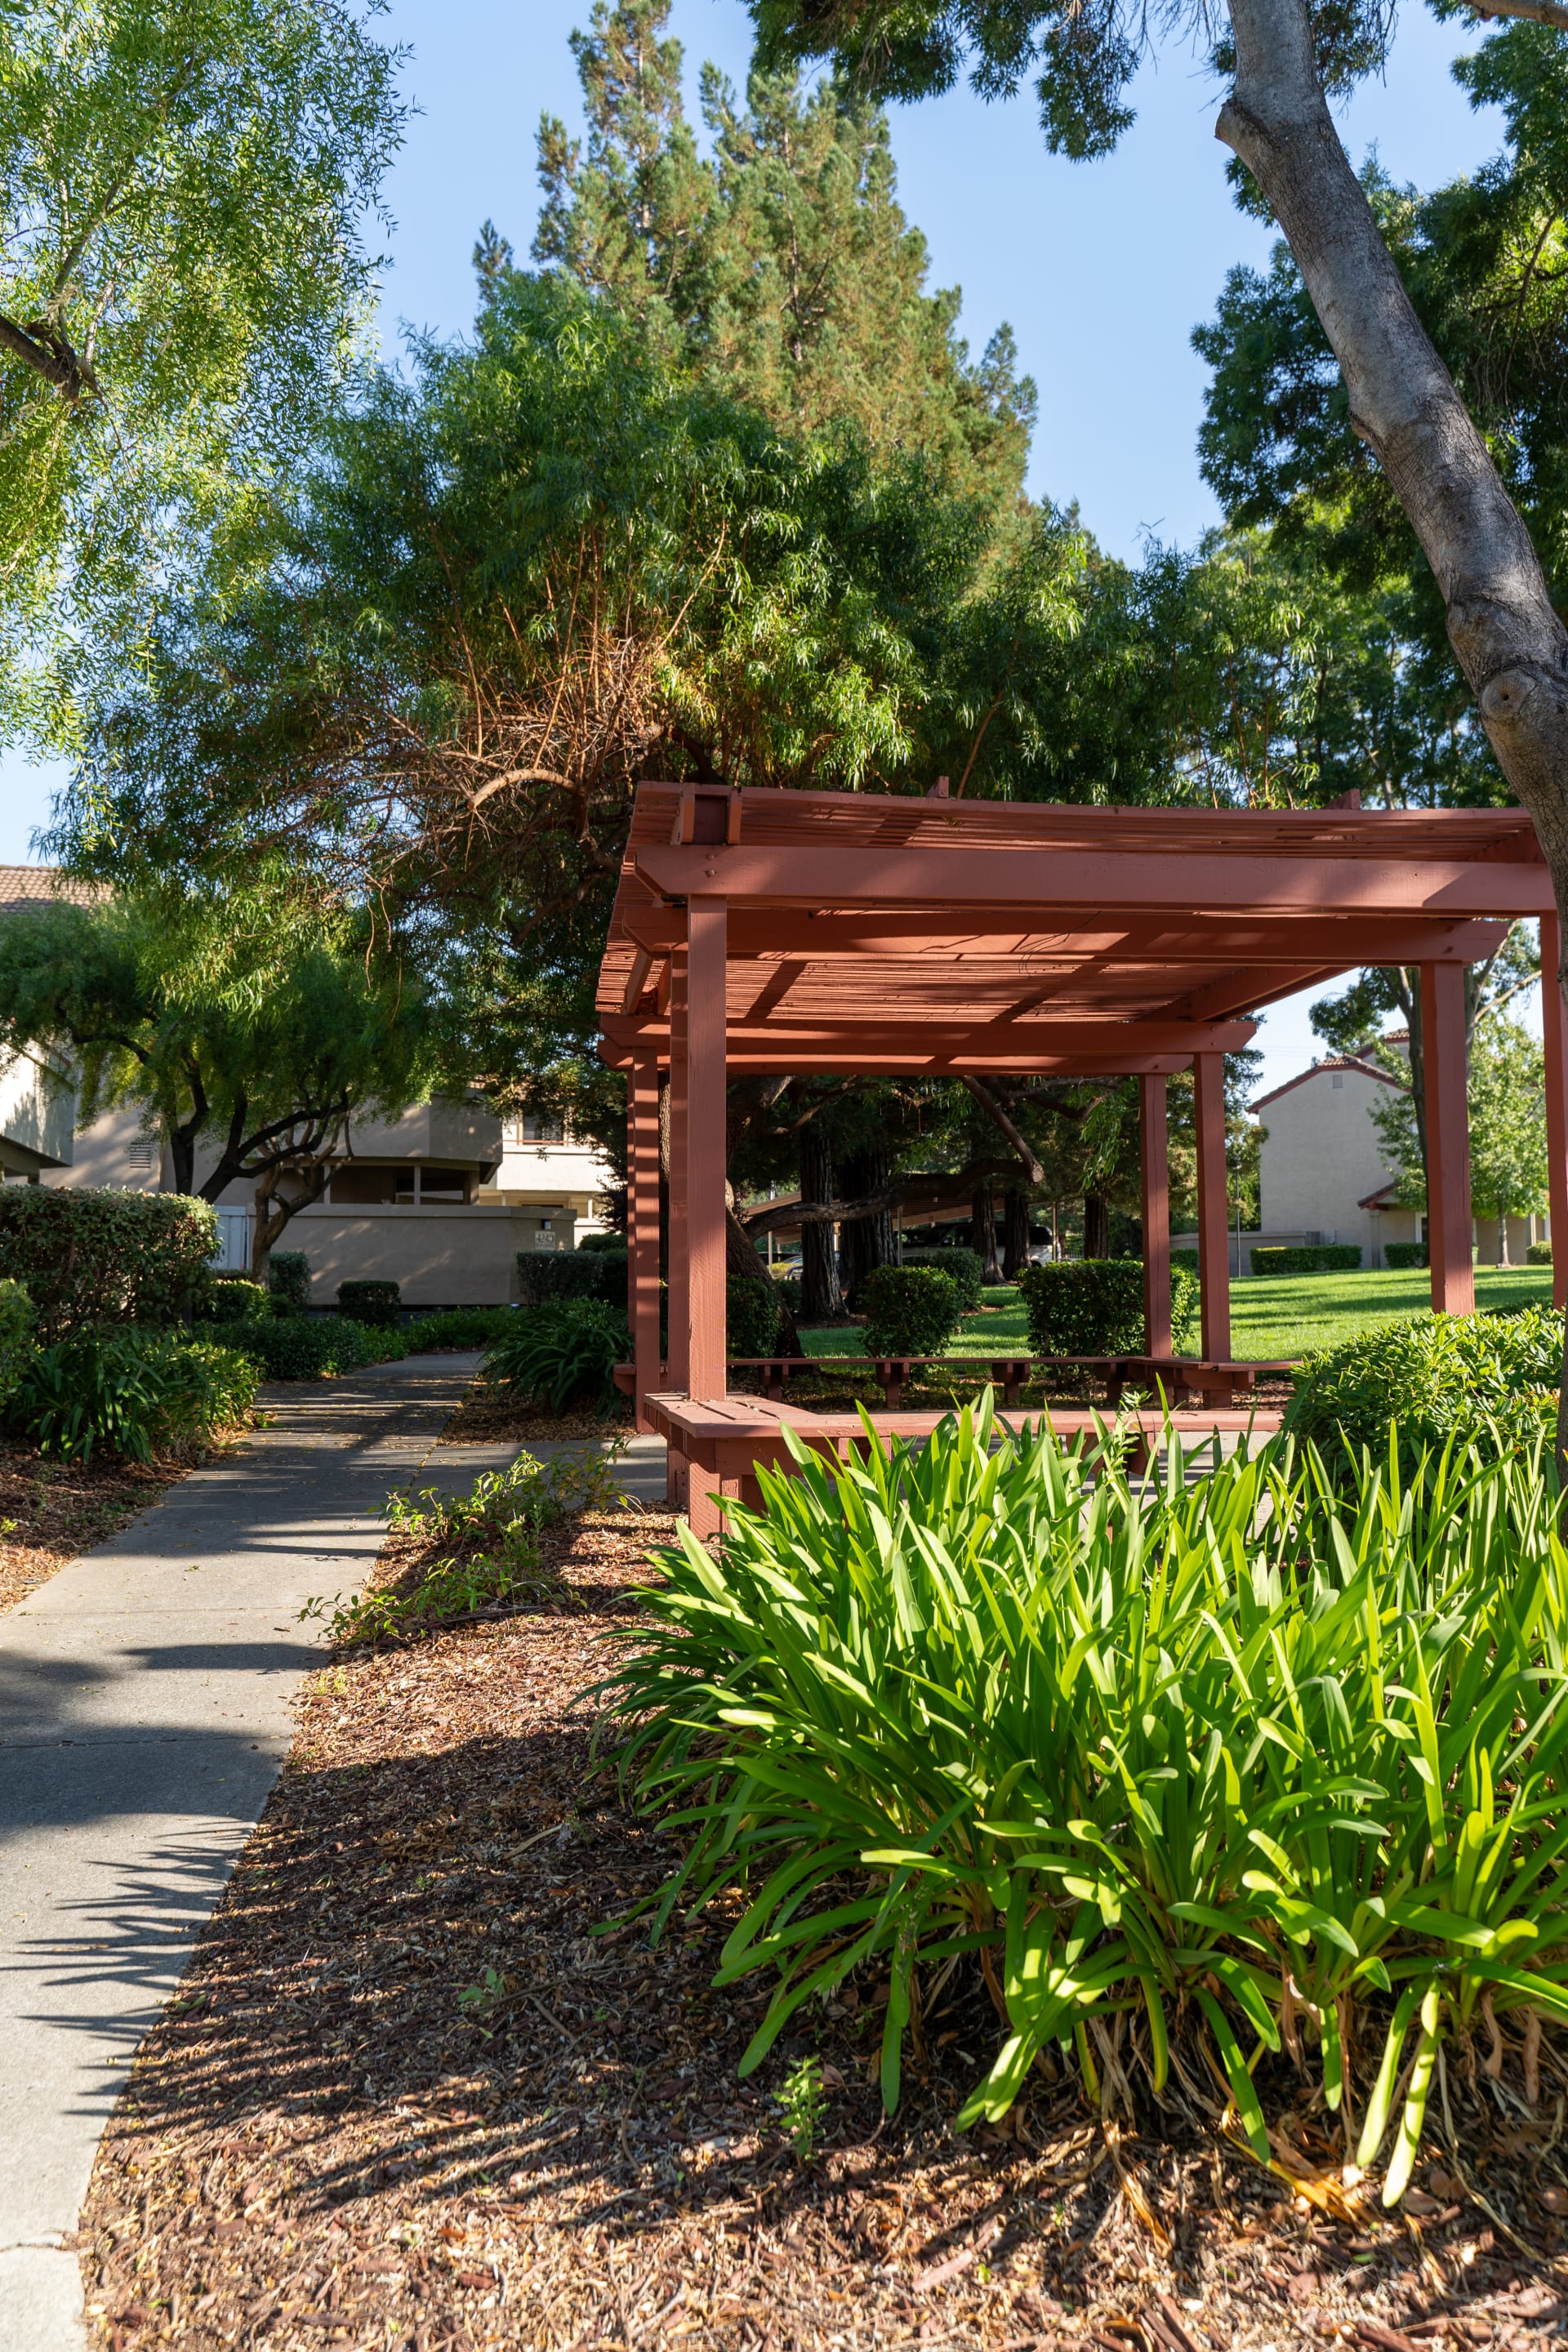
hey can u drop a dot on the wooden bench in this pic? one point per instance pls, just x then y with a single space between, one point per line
715 1448
1177 1375
1184 1375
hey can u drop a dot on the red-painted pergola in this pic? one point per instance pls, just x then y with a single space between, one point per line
813 932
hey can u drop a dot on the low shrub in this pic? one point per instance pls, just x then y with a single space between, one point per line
752 1313
1535 1253
89 1255
231 1298
965 1265
17 1326
458 1326
1307 1257
375 1303
129 1391
562 1355
1094 1306
545 1277
1230 1757
312 1347
910 1310
288 1278
607 1240
1490 1380
1405 1253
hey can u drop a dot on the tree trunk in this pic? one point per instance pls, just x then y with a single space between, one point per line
1506 634
864 1243
1015 1232
1096 1225
821 1300
983 1231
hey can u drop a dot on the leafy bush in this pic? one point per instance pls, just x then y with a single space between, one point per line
1181 1750
17 1322
751 1315
1535 1253
1309 1257
312 1347
288 1278
1487 1378
458 1326
92 1256
544 1277
910 1310
562 1355
607 1239
1396 1253
1094 1306
965 1265
231 1298
789 1291
370 1302
130 1391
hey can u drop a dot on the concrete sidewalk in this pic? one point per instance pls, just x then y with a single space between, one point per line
144 1712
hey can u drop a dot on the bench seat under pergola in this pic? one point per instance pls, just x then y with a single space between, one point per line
810 933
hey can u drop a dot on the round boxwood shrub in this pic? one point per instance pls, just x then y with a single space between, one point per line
1487 1378
94 1255
1535 1253
910 1310
370 1302
1402 1254
288 1278
965 1267
233 1298
1094 1306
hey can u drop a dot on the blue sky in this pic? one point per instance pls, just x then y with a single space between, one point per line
1103 269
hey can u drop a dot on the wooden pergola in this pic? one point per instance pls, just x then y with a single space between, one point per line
809 933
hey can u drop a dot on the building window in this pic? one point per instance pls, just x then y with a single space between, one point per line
1337 1083
532 1128
443 1185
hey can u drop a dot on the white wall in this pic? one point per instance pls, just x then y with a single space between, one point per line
37 1115
1322 1157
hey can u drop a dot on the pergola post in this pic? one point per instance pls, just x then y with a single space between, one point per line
1154 1154
1213 1218
676 1370
1444 1054
642 1226
707 1151
1554 1037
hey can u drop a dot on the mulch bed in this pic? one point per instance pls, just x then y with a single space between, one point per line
320 2144
50 1511
488 1416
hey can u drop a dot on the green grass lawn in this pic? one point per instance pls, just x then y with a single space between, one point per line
1277 1314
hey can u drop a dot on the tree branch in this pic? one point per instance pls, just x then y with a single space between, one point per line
1540 12
48 354
994 1110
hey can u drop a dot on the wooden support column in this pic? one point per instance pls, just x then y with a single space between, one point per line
1443 1052
678 1308
1154 1153
1554 1037
1214 1219
707 1151
642 1226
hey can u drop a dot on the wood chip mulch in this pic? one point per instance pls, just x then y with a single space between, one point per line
488 1416
50 1511
323 2144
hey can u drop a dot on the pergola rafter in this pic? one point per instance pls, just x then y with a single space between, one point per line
765 931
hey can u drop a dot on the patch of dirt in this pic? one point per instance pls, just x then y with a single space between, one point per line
51 1511
321 2143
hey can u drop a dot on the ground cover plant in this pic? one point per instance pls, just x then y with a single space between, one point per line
1241 1765
123 1389
560 1355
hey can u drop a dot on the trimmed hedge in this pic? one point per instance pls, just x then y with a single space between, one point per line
370 1301
1535 1253
544 1277
231 1298
1094 1306
17 1321
1396 1253
965 1265
95 1255
288 1278
309 1347
1309 1257
1490 1380
910 1310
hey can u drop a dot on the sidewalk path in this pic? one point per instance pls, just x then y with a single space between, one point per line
144 1713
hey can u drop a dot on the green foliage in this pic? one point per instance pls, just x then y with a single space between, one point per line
17 1323
1398 1253
1309 1257
288 1278
1535 1253
544 1277
92 1254
1094 1307
511 1576
803 2102
597 1244
372 1302
562 1355
184 192
131 1391
312 1347
910 1310
1154 1745
964 1265
1487 1380
229 1299
458 1326
752 1316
